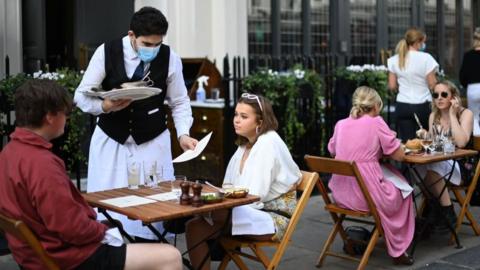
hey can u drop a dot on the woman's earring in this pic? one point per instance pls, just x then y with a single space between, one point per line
257 129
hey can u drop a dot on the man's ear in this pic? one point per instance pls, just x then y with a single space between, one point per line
48 118
131 34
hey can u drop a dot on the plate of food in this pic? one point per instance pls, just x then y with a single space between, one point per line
236 192
413 146
214 197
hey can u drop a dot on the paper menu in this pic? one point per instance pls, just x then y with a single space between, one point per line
166 196
127 201
191 154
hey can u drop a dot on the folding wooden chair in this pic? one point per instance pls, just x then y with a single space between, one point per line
339 214
232 244
463 193
20 230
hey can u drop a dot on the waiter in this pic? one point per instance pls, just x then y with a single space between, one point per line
134 131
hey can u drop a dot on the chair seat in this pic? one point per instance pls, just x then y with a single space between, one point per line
348 212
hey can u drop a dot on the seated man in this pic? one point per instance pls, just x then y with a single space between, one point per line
35 188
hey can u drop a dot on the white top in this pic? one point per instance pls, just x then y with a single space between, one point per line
176 96
269 170
412 80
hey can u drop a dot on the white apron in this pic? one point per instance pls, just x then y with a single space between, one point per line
107 169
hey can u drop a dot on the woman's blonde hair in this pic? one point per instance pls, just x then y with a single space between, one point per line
412 36
455 94
364 100
476 38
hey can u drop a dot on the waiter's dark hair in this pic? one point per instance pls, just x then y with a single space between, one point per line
149 21
35 98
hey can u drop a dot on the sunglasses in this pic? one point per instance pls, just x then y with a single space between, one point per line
253 96
435 95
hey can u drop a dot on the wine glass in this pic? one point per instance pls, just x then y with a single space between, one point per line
426 141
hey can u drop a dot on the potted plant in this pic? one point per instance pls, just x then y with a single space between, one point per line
297 100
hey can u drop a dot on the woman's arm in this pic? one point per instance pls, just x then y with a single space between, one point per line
392 81
461 128
398 154
431 79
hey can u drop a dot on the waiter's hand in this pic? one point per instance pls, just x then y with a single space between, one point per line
109 105
187 142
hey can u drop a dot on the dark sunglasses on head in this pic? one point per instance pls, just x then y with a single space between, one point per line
443 94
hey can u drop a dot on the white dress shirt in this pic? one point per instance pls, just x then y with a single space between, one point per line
107 162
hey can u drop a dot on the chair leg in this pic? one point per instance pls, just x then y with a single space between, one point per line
368 251
328 243
224 263
260 255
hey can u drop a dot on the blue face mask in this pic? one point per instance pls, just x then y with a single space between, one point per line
147 54
423 47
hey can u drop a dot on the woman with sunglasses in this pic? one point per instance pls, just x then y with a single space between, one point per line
264 165
412 73
448 116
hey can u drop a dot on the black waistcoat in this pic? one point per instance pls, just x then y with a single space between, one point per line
143 119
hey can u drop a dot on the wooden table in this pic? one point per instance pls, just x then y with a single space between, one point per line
435 157
414 160
158 211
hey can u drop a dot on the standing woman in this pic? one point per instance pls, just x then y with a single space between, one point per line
470 79
412 73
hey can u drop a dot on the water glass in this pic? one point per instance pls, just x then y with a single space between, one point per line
448 147
150 173
133 171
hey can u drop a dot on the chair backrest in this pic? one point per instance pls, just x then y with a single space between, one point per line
306 185
476 143
345 168
20 230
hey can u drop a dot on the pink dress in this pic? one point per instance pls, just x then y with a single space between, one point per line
365 140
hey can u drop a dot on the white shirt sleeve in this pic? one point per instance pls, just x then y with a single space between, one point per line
93 77
430 64
177 96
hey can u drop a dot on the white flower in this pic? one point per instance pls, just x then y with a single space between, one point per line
37 74
82 71
62 76
299 74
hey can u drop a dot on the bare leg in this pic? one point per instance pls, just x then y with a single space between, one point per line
196 231
436 188
152 256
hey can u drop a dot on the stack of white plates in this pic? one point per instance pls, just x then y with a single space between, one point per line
135 93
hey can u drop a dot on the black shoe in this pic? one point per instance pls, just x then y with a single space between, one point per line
449 214
404 259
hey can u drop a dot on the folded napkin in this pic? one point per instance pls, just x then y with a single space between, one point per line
392 175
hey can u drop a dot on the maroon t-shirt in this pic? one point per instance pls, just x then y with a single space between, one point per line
35 188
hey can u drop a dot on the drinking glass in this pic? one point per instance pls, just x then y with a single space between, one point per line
150 173
426 141
133 170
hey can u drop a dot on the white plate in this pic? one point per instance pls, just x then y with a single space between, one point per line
136 93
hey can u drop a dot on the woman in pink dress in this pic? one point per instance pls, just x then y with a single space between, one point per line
365 137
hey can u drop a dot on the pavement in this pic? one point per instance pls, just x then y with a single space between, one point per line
312 231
